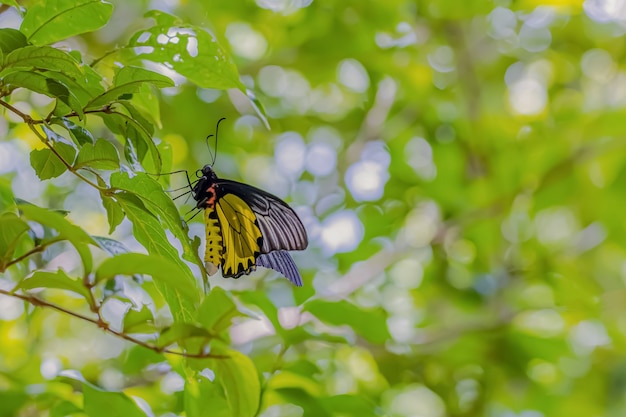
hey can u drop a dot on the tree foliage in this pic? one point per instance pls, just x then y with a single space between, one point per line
457 166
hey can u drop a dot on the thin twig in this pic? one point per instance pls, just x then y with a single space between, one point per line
38 302
33 251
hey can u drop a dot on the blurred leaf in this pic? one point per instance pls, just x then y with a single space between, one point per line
100 403
55 20
311 406
350 405
239 379
11 229
371 324
59 280
64 409
204 398
129 80
180 332
217 311
138 321
74 234
102 155
261 300
160 269
195 54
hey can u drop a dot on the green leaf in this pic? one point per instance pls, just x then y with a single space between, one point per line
347 405
115 214
311 406
100 403
54 20
139 321
217 311
59 280
161 205
180 332
10 40
64 409
191 51
110 246
128 80
162 270
11 229
240 381
80 134
43 85
258 107
205 398
74 234
150 233
42 58
369 323
131 125
47 164
102 155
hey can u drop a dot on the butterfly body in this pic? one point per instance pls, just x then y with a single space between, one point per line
246 227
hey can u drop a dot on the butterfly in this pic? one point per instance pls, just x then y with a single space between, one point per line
246 227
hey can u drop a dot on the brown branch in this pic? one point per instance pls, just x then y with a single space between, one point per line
33 251
38 302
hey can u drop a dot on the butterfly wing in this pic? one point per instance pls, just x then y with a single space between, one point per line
280 225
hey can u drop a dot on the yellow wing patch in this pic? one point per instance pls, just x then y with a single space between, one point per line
241 236
213 251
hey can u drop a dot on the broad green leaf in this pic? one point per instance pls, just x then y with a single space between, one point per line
137 136
138 321
161 269
10 40
161 205
11 229
240 381
369 323
65 409
115 214
6 195
350 405
80 134
42 58
100 403
180 332
189 50
59 280
47 164
74 234
311 406
217 311
43 85
128 80
54 20
102 155
205 398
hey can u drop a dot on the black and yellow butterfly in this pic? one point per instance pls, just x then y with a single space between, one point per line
246 227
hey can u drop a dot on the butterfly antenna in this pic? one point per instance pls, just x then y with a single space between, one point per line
217 127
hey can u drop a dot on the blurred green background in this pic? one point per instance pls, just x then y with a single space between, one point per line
460 169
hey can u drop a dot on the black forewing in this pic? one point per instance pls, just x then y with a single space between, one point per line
279 224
